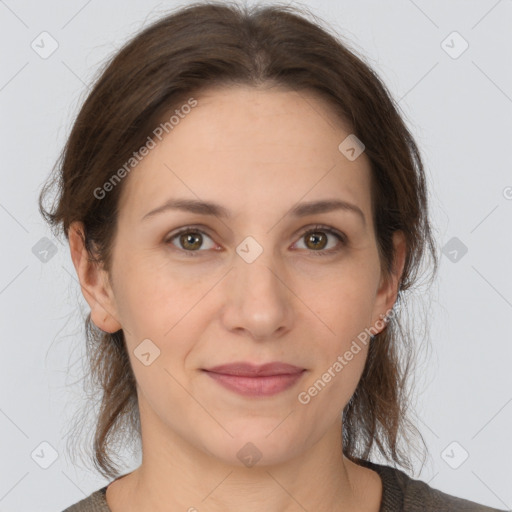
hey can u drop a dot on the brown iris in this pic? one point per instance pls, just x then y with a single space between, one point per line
314 238
187 240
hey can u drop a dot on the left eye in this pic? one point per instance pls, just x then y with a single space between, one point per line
189 240
317 239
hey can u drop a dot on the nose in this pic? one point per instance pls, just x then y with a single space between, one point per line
258 300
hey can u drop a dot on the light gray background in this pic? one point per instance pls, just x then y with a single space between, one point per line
460 111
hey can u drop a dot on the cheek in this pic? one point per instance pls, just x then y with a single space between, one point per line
155 299
169 310
343 311
345 305
334 377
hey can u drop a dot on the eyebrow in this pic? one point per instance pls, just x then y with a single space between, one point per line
300 210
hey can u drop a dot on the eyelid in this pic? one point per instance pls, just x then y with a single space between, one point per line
186 229
342 237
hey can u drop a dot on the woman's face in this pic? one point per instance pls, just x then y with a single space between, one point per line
250 286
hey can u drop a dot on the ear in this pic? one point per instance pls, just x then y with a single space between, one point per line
94 282
389 284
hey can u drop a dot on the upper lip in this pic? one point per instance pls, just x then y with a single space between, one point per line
251 370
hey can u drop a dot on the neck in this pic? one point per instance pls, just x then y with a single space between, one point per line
175 475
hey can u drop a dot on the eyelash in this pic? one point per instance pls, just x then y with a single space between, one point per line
324 252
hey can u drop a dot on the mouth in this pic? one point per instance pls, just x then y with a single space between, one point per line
251 380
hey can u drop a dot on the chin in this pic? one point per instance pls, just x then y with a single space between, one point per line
255 447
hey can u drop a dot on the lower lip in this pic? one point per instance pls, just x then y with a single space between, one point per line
256 386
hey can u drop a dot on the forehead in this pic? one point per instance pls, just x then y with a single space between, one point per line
250 148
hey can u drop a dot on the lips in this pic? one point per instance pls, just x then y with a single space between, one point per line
256 381
242 369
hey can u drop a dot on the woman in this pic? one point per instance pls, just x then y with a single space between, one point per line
245 207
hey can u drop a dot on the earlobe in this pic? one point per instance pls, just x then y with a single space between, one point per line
93 282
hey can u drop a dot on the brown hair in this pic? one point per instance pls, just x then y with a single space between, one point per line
209 44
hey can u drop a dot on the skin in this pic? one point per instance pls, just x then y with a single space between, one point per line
258 153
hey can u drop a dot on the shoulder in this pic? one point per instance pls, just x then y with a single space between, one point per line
401 492
95 502
420 496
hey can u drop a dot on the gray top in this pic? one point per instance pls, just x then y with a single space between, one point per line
400 493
